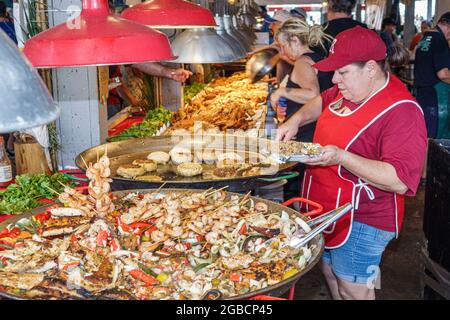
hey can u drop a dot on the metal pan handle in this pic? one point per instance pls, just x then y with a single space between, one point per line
286 175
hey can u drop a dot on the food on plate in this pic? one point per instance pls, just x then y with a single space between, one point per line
147 164
157 245
291 147
130 171
180 155
189 169
160 157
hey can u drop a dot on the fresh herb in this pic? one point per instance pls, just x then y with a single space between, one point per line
154 120
200 266
147 270
28 189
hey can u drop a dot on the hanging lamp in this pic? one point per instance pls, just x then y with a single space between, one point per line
170 14
26 102
202 45
96 37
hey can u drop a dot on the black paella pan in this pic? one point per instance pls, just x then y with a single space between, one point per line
316 244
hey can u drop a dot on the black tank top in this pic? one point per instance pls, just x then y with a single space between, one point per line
306 133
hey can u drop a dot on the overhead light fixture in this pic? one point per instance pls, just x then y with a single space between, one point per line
237 47
26 102
170 14
235 33
202 45
96 37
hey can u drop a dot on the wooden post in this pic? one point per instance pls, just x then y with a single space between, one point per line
408 29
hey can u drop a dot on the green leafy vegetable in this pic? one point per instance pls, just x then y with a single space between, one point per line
154 120
28 189
192 90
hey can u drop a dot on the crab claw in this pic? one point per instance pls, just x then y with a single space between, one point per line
268 232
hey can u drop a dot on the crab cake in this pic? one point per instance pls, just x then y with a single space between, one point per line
130 171
207 156
180 155
160 157
149 165
228 159
189 169
149 178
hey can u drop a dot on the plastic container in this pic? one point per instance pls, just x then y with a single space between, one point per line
436 223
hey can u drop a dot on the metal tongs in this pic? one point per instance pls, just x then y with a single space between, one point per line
319 224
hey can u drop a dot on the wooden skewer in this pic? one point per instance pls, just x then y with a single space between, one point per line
211 193
208 190
245 198
84 161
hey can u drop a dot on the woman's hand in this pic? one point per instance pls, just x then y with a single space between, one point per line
275 96
287 130
331 155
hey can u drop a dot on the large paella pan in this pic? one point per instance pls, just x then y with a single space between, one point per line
152 244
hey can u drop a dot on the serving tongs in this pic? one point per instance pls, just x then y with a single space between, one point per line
318 225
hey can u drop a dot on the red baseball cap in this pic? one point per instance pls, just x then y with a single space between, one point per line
357 44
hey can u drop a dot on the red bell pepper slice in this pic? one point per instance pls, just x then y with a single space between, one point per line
243 229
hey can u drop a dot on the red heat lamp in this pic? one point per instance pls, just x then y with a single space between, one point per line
96 38
170 14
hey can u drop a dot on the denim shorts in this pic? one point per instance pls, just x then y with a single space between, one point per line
358 260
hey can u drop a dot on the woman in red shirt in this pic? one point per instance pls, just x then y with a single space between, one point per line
374 140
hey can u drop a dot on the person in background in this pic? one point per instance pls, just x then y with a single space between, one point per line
432 72
388 29
295 39
373 139
424 27
267 19
132 85
339 16
6 23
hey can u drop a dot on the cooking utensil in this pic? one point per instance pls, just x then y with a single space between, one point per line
323 222
261 63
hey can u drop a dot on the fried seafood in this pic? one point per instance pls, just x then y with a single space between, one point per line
227 103
147 164
180 155
189 169
130 171
160 157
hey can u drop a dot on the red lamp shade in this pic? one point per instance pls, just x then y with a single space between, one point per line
96 37
170 14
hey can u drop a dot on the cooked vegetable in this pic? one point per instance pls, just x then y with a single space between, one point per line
23 195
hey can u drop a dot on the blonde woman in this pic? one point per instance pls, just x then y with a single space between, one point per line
295 39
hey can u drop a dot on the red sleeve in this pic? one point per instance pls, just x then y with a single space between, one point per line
403 144
329 95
